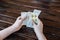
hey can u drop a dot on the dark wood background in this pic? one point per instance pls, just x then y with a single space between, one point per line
50 16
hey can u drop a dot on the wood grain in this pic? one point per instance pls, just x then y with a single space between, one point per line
50 16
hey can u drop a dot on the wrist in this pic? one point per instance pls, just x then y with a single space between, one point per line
18 23
38 30
15 27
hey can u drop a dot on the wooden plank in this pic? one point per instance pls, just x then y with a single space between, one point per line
7 19
50 17
51 23
19 7
4 25
54 12
55 4
55 9
9 14
54 31
10 2
32 3
55 1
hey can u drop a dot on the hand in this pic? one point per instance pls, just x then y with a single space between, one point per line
21 18
39 26
18 22
39 30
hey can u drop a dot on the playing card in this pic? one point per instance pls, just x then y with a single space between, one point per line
29 22
35 15
31 15
24 14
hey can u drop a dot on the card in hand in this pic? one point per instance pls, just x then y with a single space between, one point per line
31 16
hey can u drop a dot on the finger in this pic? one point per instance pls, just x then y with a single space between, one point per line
33 22
40 22
19 18
21 25
23 18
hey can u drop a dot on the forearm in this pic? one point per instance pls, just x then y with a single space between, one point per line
40 35
6 32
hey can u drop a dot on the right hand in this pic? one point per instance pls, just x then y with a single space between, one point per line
39 26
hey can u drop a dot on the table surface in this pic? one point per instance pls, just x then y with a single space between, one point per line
50 16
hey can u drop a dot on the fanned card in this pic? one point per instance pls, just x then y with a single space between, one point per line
31 16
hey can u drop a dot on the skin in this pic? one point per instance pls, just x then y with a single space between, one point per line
39 30
18 25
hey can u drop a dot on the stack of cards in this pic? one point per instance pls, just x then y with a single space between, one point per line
31 16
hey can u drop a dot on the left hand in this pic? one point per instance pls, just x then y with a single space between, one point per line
18 22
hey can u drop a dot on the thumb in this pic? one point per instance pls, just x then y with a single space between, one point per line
19 18
33 22
23 18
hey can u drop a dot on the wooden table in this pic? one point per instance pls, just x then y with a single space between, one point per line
50 16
